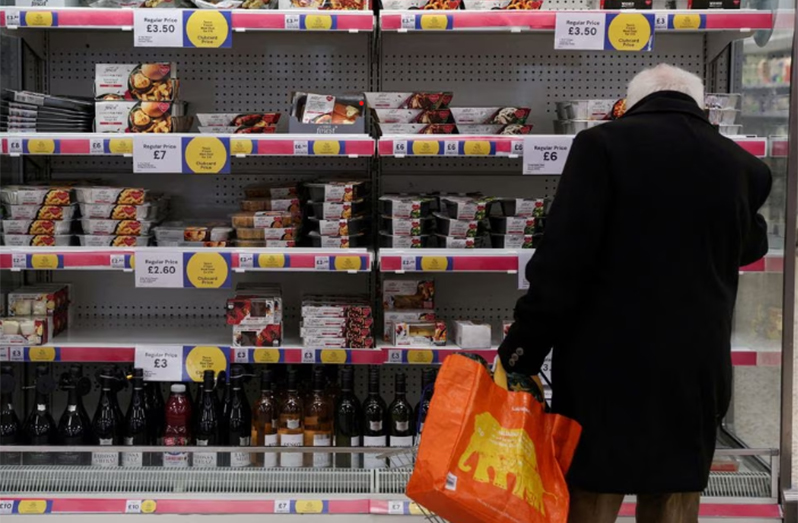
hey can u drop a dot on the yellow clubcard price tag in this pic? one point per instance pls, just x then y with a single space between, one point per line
207 270
686 22
434 22
420 356
38 145
266 355
206 155
39 19
208 28
120 145
44 261
304 506
629 32
334 356
426 148
434 263
318 23
41 354
203 358
271 261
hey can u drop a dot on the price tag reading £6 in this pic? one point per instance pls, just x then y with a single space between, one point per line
160 362
580 31
546 154
157 153
158 270
157 28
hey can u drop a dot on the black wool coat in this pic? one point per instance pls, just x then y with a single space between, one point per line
633 287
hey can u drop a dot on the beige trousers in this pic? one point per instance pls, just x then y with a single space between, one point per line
592 507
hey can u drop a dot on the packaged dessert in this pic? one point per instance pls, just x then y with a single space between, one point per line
271 191
140 117
585 109
23 331
392 129
337 242
39 212
112 195
268 244
457 228
390 241
457 242
257 335
264 219
408 294
419 334
240 120
402 116
417 100
513 241
401 206
524 207
38 299
50 227
494 129
317 322
513 225
266 233
337 5
35 195
464 207
390 317
192 231
338 211
326 109
490 115
254 310
112 211
155 82
340 227
290 205
110 240
406 226
116 227
472 335
337 191
255 129
37 240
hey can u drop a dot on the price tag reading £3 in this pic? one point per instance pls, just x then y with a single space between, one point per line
160 362
580 31
546 154
157 28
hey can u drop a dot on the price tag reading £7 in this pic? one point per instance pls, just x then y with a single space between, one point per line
546 154
580 31
157 28
157 153
160 362
159 269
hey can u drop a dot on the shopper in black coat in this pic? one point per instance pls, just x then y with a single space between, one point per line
634 286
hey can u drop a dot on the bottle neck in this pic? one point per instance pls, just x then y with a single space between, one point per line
7 399
72 397
42 400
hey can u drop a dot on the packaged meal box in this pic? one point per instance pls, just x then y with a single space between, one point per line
155 82
417 100
490 115
140 117
349 5
413 116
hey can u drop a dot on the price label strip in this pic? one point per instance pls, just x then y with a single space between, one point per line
31 354
341 263
687 22
111 146
45 262
34 146
180 362
444 148
189 28
33 506
320 148
604 31
198 270
257 355
427 22
311 22
427 263
32 19
172 154
545 154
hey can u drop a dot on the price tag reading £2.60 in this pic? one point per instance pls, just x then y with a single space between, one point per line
580 31
546 154
159 269
157 28
157 153
160 362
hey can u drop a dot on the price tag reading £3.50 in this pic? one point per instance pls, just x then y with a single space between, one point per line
580 31
157 28
546 154
160 362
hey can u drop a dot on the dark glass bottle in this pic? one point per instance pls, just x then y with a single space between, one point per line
400 413
427 390
136 429
265 414
10 429
156 422
225 398
348 414
375 434
107 422
291 427
207 430
318 421
39 428
72 427
239 422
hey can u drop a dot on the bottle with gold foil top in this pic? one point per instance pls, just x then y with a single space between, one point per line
318 422
265 421
291 429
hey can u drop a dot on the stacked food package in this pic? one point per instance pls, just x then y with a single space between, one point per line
337 322
519 222
409 314
339 214
470 5
35 314
29 112
271 216
406 221
242 123
38 216
256 314
118 216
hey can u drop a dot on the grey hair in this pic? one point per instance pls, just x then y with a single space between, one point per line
664 77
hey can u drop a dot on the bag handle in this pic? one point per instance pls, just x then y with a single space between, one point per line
500 377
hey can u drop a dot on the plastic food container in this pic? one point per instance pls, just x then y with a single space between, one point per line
524 207
337 242
584 109
195 244
513 241
109 211
270 244
464 208
338 211
393 241
261 219
278 192
192 232
722 116
575 126
267 204
450 242
337 191
406 226
730 130
118 227
115 195
513 225
399 206
37 240
722 100
48 227
457 228
266 233
39 212
105 240
343 227
32 195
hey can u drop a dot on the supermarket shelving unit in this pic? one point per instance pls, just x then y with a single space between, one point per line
486 58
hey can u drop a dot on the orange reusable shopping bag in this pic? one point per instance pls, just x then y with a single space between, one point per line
491 456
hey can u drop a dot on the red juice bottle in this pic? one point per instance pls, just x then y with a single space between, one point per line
178 423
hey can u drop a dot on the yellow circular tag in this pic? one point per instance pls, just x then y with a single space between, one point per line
271 261
473 148
44 261
326 147
425 148
336 356
207 28
686 22
39 19
207 270
347 263
434 263
240 146
32 506
205 155
318 23
414 509
41 354
200 359
420 356
132 261
434 22
38 145
120 145
629 32
304 506
266 356
148 506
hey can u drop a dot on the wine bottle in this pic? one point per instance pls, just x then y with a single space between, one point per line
265 421
239 424
156 421
374 430
225 390
107 422
427 390
291 427
178 431
73 430
10 429
136 431
401 427
318 421
39 428
348 415
207 430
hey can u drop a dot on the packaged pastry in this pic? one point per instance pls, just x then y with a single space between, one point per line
35 195
400 116
337 191
264 219
112 211
116 227
38 299
112 195
155 82
37 226
269 244
337 242
240 120
456 242
277 192
404 316
419 334
457 228
490 115
338 211
192 231
257 335
513 241
266 233
340 227
140 117
401 206
254 310
391 129
417 100
524 207
390 241
37 240
472 335
406 226
290 205
408 294
513 225
23 331
39 212
109 240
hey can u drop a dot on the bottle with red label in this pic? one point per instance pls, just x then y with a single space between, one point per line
178 427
